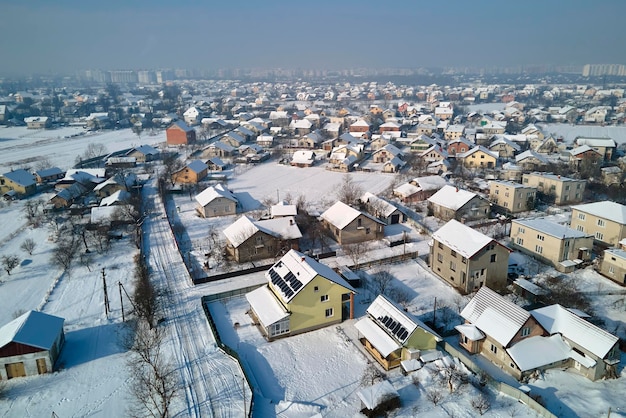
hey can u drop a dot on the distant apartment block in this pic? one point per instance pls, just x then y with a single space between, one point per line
565 190
591 70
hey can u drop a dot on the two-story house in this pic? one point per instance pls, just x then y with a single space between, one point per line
347 225
450 202
468 259
605 220
553 243
563 190
301 295
216 201
512 197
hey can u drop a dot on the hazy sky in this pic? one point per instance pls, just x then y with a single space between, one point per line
67 35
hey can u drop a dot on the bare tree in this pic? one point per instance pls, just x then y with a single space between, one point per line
32 209
348 191
145 297
94 150
43 163
382 280
356 251
481 404
401 297
171 164
28 245
452 375
9 262
371 375
65 253
434 395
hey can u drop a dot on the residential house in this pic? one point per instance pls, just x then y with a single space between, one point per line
115 183
531 160
360 129
30 345
193 172
506 149
347 225
218 149
546 146
612 176
613 265
523 343
443 113
37 122
382 209
391 335
581 154
144 153
301 295
512 197
459 146
558 245
390 128
453 132
386 153
18 183
478 157
216 164
468 259
596 114
605 220
433 153
301 126
48 175
311 140
233 139
563 190
282 209
192 116
216 201
302 158
604 146
453 203
419 189
250 240
179 133
265 140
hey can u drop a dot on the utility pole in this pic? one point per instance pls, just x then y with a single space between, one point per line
107 307
435 313
119 287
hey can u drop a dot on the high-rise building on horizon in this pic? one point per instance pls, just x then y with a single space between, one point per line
594 70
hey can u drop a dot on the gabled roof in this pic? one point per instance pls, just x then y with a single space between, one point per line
126 181
197 166
608 210
477 149
452 197
243 228
21 177
48 172
380 204
303 269
557 320
596 142
213 192
34 329
582 149
115 198
530 154
303 157
430 182
502 140
145 150
340 215
283 209
182 125
494 315
461 238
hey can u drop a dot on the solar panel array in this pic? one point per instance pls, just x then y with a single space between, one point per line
288 285
395 328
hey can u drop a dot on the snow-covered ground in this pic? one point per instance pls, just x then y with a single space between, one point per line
570 132
321 369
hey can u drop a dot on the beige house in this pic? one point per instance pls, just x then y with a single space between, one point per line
193 172
468 259
564 190
512 197
216 201
478 157
606 221
347 225
613 265
558 245
523 342
453 203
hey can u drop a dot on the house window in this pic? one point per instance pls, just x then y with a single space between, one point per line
440 257
259 240
324 298
316 289
580 228
521 230
525 331
520 241
611 270
497 192
493 258
581 216
540 237
440 246
599 235
329 312
601 223
538 249
359 222
453 253
367 230
493 349
452 266
463 260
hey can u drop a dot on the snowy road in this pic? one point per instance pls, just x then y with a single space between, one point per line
211 381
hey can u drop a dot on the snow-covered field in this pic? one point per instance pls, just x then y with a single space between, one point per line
320 369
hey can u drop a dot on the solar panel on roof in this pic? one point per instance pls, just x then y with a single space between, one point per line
296 284
396 328
404 334
392 324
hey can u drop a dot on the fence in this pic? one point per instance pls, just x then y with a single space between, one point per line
229 351
231 293
500 386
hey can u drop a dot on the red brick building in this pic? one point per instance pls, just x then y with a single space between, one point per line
179 133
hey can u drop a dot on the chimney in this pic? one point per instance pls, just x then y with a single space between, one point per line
290 221
302 259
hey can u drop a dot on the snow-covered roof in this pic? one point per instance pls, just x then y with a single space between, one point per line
582 149
244 227
615 252
145 150
118 196
103 214
470 331
303 157
596 142
462 238
126 181
407 189
340 214
213 192
494 315
48 172
373 395
197 166
611 211
430 182
84 175
182 125
452 197
381 205
476 149
283 209
557 320
34 329
551 228
265 306
21 177
383 343
535 352
304 269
